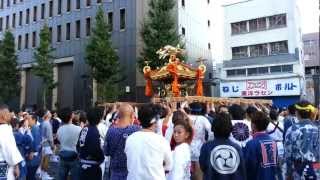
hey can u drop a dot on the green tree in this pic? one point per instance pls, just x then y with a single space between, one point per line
103 60
44 64
158 30
9 78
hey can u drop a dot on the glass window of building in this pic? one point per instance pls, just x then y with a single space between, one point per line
279 47
183 31
1 24
239 27
257 24
263 70
78 29
14 20
26 41
209 46
88 26
308 71
43 10
183 4
277 21
77 4
99 1
50 8
236 72
50 34
231 72
68 31
35 13
252 71
7 22
34 39
14 1
287 68
275 69
8 3
19 42
88 3
239 52
110 20
1 4
122 19
28 16
68 5
59 33
259 50
59 7
241 72
20 18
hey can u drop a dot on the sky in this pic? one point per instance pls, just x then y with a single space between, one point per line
309 11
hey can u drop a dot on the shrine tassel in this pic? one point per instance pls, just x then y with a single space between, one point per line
199 83
148 88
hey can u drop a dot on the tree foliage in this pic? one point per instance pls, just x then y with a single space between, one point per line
44 64
158 30
103 59
9 78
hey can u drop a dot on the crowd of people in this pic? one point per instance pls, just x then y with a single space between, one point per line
165 141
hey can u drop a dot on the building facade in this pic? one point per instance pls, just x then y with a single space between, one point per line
70 23
312 66
263 51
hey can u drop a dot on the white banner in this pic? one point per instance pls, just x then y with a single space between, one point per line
260 88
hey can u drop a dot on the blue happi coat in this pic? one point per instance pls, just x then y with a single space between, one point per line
261 157
302 146
23 142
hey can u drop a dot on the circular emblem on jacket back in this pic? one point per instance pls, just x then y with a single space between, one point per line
225 159
240 131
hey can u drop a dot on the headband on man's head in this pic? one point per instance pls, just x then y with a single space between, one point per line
308 108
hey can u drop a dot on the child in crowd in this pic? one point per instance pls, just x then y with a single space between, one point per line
183 134
202 128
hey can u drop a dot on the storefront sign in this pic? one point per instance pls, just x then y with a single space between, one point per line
260 88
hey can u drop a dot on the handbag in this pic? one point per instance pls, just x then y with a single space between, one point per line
3 170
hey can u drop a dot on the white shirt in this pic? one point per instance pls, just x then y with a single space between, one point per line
103 127
277 135
148 156
8 149
68 136
200 125
181 163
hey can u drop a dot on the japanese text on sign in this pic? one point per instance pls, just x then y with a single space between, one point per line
252 88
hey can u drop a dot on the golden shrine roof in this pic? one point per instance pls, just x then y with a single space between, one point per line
184 71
